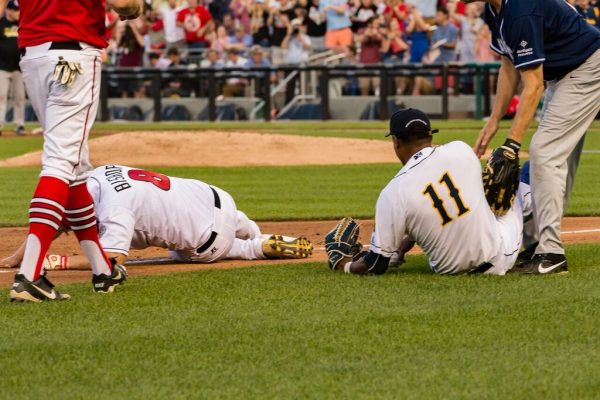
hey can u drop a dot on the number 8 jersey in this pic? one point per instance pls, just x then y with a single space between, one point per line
437 200
137 208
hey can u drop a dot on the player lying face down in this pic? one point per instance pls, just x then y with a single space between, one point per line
436 200
195 221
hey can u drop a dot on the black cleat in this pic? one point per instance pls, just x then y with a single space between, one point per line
525 256
543 264
106 284
37 291
20 130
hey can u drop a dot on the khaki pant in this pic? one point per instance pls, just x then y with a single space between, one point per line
570 106
14 81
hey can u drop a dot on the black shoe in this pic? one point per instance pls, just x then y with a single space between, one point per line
526 256
37 291
20 130
543 264
106 284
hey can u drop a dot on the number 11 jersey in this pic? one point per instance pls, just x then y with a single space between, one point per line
437 199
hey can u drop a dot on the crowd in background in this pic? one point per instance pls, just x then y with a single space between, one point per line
240 33
275 32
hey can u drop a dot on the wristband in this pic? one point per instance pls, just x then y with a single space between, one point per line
347 267
512 144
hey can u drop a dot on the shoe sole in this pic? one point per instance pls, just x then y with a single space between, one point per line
22 297
298 248
110 289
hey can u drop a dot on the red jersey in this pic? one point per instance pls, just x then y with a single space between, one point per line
192 21
402 10
44 21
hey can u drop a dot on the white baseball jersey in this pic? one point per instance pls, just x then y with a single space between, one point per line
137 209
437 199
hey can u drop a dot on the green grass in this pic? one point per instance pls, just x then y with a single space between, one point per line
465 130
291 193
301 331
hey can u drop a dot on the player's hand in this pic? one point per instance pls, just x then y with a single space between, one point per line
10 262
485 137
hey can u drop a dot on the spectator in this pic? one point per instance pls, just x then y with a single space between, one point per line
394 48
370 53
174 57
211 60
590 12
297 43
218 9
417 30
316 25
279 21
351 87
240 40
445 37
220 41
427 9
175 90
196 22
257 59
396 10
130 42
470 25
229 24
10 74
362 15
234 86
483 52
260 24
339 34
174 34
242 11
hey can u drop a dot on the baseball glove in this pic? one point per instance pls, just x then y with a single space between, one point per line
501 177
342 241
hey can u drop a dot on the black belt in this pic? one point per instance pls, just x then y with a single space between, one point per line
481 268
59 46
213 234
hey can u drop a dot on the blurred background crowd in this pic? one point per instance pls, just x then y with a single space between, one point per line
275 32
243 33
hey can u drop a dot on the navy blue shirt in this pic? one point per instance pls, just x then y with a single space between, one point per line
548 32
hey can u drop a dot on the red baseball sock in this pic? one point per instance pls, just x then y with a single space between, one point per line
45 216
81 217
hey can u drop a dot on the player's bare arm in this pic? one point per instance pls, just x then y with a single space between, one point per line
533 88
127 9
508 81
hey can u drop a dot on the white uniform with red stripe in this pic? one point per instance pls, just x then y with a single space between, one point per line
437 199
137 209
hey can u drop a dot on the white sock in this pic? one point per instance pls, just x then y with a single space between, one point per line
31 256
94 255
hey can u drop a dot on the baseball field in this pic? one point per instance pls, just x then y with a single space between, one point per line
281 329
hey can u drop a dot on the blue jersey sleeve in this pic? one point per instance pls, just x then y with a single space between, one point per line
527 41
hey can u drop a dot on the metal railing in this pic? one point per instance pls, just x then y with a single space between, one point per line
207 80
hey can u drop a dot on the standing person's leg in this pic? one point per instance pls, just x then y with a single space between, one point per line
18 90
66 114
558 135
4 85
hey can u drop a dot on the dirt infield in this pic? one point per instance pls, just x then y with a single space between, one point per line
575 230
224 149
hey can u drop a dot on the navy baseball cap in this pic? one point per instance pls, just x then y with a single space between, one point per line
12 5
410 123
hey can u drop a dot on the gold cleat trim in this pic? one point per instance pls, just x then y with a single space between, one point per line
278 247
